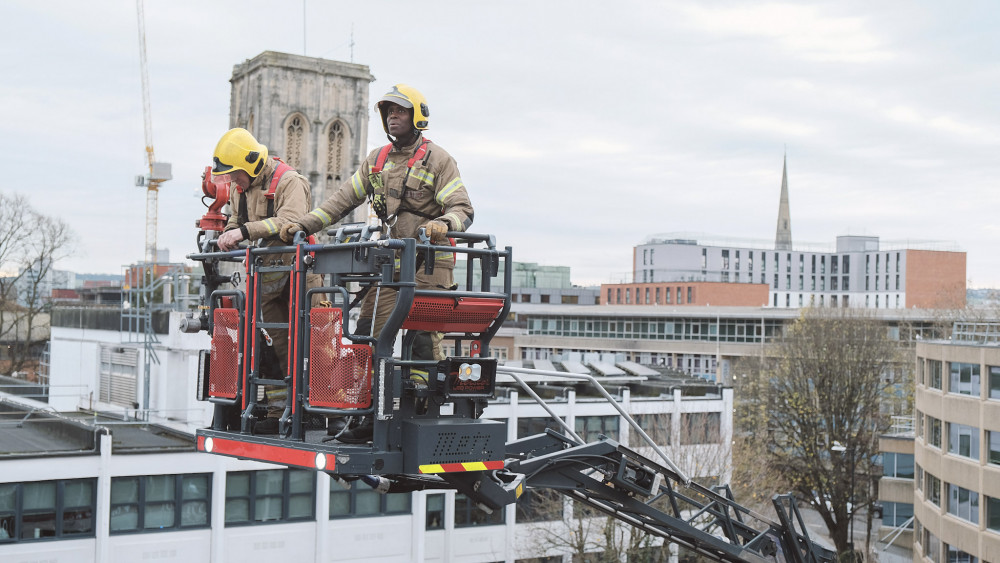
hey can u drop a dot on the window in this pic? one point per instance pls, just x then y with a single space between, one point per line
47 509
963 440
846 266
468 514
666 295
591 427
897 466
535 425
160 502
964 379
700 428
932 488
934 374
963 503
993 514
725 259
360 500
833 265
895 514
435 512
277 495
993 444
704 258
994 382
657 426
934 431
956 555
932 545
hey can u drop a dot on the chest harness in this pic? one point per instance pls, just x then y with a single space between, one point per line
376 190
279 171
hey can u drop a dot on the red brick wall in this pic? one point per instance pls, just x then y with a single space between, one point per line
935 279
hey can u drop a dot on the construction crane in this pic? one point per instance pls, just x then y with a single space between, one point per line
159 172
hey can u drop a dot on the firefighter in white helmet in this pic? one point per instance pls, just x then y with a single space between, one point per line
266 195
411 184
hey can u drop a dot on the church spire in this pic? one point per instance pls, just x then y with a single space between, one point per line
783 236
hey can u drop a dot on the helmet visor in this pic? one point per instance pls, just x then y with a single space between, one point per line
218 167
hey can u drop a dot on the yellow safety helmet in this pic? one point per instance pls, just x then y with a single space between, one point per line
239 150
408 97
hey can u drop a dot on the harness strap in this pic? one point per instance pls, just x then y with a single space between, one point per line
377 200
275 178
243 216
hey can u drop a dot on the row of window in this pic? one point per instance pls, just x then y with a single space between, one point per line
963 440
724 330
932 548
65 509
963 378
842 263
961 502
664 295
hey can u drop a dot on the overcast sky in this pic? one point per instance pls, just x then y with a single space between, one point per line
580 128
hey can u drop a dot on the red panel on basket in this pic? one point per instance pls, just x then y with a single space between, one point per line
340 375
223 375
453 314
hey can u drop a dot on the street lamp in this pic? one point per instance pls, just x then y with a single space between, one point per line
842 449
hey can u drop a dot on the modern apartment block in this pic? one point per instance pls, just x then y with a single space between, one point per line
957 446
858 271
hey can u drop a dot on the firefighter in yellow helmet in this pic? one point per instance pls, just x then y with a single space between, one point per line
266 194
411 184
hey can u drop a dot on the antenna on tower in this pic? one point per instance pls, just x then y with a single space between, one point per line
303 28
352 42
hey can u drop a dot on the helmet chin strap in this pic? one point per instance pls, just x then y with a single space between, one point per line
395 141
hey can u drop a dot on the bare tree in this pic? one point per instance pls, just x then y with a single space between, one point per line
694 443
13 234
812 402
30 245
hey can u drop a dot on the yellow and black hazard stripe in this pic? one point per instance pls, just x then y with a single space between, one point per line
458 467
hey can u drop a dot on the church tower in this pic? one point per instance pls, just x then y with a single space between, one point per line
311 112
783 236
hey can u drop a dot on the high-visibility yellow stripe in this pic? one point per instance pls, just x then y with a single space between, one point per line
423 175
431 469
270 226
358 184
449 188
474 466
323 216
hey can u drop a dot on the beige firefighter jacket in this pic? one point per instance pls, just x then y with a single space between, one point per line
432 189
292 198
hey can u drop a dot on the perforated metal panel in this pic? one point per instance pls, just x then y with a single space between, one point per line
340 375
453 314
224 370
442 441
